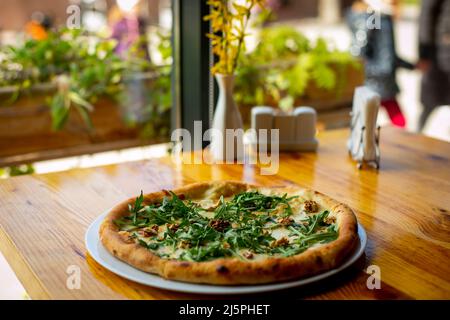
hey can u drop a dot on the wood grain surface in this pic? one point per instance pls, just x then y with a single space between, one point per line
404 208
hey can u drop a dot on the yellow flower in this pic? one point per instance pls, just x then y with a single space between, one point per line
228 22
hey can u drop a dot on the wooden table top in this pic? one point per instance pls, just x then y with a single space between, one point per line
404 208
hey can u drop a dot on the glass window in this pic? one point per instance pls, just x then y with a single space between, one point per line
316 52
83 76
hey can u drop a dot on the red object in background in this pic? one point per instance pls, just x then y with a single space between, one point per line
395 114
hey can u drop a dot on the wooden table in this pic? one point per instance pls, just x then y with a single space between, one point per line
404 208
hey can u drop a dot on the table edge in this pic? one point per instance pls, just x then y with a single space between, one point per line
28 279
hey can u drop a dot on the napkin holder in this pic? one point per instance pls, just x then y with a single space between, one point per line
297 129
363 144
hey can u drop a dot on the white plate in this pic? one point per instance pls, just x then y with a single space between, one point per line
107 260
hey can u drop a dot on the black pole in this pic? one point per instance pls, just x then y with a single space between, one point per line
192 83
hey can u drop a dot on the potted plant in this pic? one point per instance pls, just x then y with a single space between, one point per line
286 70
70 90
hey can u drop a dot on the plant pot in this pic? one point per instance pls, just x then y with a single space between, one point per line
322 100
226 145
26 133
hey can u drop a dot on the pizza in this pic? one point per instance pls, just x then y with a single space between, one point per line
231 233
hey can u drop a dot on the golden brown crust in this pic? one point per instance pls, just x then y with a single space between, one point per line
232 271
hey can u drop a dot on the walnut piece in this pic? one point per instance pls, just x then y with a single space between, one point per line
219 224
173 227
150 231
330 220
311 206
184 244
285 221
282 242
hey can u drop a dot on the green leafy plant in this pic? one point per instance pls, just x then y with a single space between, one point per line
14 171
82 68
284 64
156 114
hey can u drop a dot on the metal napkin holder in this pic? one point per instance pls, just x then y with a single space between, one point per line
363 144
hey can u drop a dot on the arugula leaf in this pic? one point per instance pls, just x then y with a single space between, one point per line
252 216
137 207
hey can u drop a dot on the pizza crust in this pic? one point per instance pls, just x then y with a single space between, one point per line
234 271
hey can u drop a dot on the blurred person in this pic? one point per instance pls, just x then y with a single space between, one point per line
376 46
434 56
127 25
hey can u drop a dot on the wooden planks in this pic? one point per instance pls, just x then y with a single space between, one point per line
404 209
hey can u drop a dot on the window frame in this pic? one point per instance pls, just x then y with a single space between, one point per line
193 87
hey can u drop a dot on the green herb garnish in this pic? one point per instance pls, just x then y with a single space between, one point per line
245 223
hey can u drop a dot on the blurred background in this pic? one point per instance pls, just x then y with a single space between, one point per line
88 82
